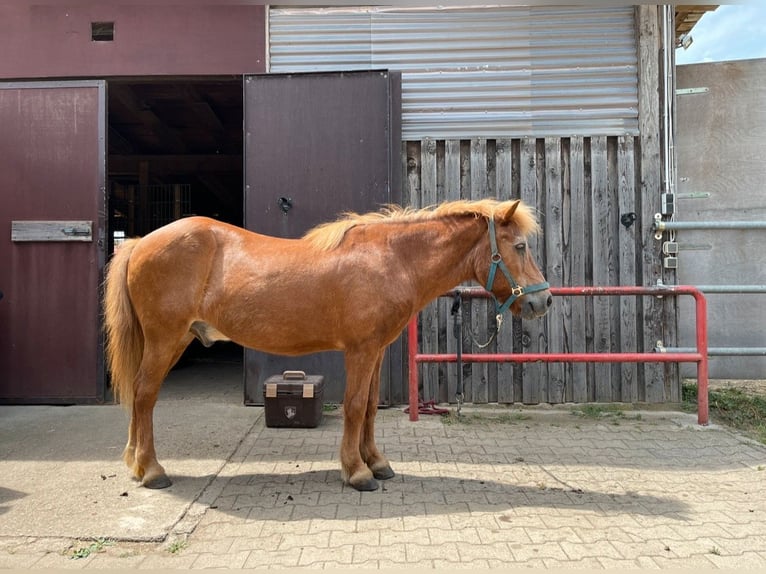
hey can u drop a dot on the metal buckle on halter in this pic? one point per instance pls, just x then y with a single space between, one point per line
517 291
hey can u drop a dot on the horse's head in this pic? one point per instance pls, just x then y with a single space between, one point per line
512 276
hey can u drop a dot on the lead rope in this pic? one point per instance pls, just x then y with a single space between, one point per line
458 332
499 321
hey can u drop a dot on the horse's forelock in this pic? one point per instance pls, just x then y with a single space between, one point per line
328 236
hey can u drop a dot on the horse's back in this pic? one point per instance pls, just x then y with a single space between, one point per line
170 267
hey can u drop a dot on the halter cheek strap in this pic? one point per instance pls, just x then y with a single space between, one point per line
496 260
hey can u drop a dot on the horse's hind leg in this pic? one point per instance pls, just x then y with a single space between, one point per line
378 464
129 454
155 365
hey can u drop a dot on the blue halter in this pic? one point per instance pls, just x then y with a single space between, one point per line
496 260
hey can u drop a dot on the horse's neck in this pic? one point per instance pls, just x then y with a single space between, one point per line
440 254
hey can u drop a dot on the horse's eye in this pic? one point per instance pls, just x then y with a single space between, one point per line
521 246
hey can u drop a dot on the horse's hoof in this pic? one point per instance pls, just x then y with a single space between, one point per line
383 473
366 485
161 481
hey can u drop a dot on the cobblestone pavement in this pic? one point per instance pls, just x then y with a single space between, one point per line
501 488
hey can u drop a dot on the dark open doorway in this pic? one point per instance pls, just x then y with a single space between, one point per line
175 149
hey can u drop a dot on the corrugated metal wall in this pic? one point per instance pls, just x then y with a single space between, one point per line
506 71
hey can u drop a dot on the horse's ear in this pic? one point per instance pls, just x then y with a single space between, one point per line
506 211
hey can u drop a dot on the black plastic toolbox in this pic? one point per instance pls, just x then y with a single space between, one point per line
294 399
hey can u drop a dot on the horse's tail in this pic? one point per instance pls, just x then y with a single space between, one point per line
124 337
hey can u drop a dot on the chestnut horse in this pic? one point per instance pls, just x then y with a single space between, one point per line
351 285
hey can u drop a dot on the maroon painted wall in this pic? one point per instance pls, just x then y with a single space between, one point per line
47 41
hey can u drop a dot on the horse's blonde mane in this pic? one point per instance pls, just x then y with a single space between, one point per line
328 236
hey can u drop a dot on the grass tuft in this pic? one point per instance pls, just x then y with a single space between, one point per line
731 407
95 546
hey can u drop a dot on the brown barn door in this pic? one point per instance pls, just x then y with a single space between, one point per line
52 165
316 145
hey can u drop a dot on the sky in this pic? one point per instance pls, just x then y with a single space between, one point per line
731 32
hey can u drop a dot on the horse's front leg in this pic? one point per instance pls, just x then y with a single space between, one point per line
360 365
378 464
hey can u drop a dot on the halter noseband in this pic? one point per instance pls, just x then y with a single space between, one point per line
496 260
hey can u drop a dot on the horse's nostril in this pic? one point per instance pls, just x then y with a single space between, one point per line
549 301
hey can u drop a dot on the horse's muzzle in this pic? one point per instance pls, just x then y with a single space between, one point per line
534 305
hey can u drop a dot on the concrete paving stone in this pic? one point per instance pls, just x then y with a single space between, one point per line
334 566
497 551
461 499
317 558
316 540
365 537
580 550
59 561
589 563
365 510
29 545
216 546
413 523
399 536
284 559
746 560
641 563
438 536
508 520
514 536
182 560
396 509
434 468
710 530
396 553
223 527
649 547
692 546
425 497
330 524
270 527
253 543
613 534
229 560
109 561
420 552
539 552
267 514
697 561
460 521
19 561
739 545
561 534
473 565
338 496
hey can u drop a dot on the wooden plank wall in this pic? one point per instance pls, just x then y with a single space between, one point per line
580 186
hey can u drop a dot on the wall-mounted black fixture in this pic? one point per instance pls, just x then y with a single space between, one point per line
285 204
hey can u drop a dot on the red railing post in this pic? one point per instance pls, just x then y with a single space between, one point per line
702 366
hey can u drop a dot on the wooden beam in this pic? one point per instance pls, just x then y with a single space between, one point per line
163 165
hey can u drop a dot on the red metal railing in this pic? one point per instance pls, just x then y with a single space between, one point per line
700 356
